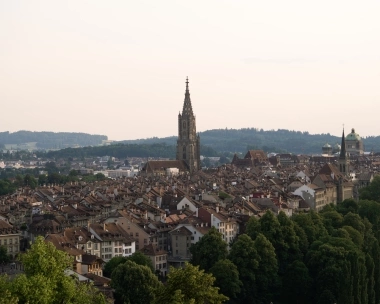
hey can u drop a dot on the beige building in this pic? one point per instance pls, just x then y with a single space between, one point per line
354 143
158 257
10 238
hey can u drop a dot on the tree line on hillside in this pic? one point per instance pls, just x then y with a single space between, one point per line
318 258
281 140
121 151
50 140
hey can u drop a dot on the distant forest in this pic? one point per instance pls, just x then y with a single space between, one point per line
241 140
47 140
155 150
214 143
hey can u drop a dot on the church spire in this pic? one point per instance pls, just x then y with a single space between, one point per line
343 153
187 108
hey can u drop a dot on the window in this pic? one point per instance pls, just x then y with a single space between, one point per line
96 246
137 234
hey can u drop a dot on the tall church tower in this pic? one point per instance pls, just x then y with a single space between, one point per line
188 142
343 161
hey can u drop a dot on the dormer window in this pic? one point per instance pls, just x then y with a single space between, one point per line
80 238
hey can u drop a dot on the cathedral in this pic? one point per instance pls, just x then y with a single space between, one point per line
188 145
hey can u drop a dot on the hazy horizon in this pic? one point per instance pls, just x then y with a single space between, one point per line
119 68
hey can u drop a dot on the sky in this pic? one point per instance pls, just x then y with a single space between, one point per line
118 68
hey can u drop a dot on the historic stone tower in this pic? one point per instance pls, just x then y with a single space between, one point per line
188 143
343 159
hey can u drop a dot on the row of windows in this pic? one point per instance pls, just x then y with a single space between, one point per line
9 241
160 266
160 258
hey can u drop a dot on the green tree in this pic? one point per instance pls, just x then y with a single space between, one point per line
253 227
291 252
311 224
6 187
4 257
134 284
209 249
348 205
332 220
371 192
227 278
100 176
42 179
51 167
296 283
141 259
111 265
371 211
30 181
267 280
45 280
189 285
244 255
73 173
6 295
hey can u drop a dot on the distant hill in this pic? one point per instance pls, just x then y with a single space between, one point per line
24 140
281 140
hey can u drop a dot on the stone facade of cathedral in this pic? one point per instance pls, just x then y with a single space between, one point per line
188 142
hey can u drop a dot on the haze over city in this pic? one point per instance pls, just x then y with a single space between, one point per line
119 68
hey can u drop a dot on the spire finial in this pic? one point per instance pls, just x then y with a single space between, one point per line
187 83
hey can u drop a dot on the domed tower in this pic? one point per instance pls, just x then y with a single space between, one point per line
188 142
327 149
336 148
354 143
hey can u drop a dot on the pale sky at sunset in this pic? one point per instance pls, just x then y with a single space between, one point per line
118 68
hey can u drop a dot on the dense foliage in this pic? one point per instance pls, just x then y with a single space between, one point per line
45 280
327 257
137 284
281 140
124 150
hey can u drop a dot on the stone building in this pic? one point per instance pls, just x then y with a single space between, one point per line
10 238
188 143
354 143
188 146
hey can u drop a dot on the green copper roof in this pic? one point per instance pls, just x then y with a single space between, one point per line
353 135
